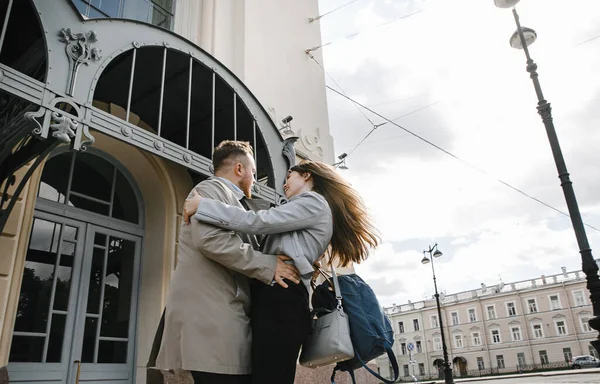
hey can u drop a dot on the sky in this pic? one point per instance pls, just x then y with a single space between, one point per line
450 69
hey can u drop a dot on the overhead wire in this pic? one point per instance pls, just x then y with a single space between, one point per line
341 89
392 121
364 30
480 170
311 19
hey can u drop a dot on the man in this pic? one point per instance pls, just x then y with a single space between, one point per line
207 325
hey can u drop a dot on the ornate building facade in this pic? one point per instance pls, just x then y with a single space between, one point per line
527 325
109 113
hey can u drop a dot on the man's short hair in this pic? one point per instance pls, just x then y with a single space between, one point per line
230 150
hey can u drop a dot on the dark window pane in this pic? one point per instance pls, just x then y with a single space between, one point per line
89 340
57 333
36 287
117 288
125 204
55 177
89 205
93 304
92 176
63 276
26 349
100 239
112 352
24 47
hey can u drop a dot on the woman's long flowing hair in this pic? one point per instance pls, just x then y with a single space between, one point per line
353 231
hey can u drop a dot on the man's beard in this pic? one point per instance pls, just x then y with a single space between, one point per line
247 189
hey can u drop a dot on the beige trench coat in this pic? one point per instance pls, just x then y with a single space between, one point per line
207 323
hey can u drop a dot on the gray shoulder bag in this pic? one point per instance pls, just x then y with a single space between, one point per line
329 340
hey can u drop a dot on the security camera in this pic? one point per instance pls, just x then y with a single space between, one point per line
342 156
287 119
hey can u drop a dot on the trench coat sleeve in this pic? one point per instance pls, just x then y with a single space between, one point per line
300 213
227 248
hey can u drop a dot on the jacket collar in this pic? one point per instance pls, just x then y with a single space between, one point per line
234 188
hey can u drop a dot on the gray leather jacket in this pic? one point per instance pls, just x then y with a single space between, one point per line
300 229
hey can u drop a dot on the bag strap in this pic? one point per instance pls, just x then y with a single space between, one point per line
156 343
336 287
319 271
393 361
350 372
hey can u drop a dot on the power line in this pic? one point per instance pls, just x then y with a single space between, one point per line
341 89
586 41
311 19
364 30
451 155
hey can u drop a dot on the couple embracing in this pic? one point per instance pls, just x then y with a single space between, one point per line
238 311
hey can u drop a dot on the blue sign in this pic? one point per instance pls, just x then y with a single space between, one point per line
410 346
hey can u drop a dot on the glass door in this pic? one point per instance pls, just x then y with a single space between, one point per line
42 336
76 316
106 319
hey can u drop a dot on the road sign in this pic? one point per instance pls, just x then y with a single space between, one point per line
410 346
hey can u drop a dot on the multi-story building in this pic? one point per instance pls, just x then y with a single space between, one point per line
109 110
532 324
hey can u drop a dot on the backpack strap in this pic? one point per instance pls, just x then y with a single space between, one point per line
393 361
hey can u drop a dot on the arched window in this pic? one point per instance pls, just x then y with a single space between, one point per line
87 181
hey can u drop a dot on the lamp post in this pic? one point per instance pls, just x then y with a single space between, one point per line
435 253
521 39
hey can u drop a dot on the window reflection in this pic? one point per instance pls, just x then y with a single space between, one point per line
90 183
157 12
46 286
117 288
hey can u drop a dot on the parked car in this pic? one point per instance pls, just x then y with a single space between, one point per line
579 362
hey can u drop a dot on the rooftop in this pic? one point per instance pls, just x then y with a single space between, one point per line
485 291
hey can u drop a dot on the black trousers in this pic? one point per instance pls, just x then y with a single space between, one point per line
216 378
280 325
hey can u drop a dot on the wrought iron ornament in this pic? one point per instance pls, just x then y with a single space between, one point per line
79 51
289 151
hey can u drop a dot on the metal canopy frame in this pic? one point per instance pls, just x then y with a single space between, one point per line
60 108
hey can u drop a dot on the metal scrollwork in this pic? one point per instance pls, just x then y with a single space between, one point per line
79 51
37 118
289 151
82 145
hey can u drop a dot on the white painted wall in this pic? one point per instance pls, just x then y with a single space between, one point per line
263 42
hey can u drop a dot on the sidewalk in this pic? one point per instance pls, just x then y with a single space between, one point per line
500 377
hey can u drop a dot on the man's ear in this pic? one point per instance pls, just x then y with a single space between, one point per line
238 169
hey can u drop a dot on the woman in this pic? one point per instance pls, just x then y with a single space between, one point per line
323 211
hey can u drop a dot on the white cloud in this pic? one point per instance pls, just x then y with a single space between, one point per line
457 54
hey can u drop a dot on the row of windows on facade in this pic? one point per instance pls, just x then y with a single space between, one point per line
515 334
521 360
511 310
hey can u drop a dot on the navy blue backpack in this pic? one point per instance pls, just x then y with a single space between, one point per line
370 329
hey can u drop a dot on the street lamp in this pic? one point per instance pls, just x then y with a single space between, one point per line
433 254
342 163
521 39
